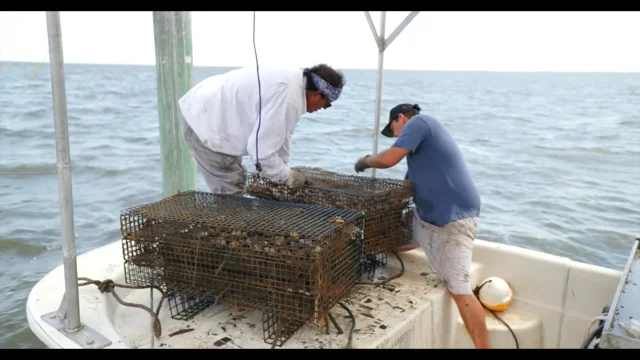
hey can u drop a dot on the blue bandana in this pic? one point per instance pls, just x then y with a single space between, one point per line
329 91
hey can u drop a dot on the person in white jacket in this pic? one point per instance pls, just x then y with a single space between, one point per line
222 118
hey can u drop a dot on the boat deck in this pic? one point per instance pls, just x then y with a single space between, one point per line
379 311
382 313
555 303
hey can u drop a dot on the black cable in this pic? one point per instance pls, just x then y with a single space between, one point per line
476 292
595 333
353 324
255 51
505 324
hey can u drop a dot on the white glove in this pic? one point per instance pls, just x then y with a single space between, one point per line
296 180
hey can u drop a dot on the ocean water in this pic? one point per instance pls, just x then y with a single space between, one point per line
556 157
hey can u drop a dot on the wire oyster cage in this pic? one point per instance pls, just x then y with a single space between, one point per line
292 261
386 204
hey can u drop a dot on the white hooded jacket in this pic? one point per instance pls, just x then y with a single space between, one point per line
223 112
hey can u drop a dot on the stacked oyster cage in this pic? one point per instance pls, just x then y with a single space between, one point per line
385 203
293 262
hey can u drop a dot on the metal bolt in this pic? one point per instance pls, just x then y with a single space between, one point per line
89 341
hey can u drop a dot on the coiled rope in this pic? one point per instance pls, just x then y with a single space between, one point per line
108 286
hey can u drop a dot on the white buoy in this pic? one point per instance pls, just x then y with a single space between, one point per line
495 293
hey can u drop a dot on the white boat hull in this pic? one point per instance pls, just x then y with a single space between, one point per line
555 303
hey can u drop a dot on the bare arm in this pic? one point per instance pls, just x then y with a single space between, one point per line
387 158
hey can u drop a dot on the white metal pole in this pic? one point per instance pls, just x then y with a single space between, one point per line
376 128
382 46
400 28
153 323
58 92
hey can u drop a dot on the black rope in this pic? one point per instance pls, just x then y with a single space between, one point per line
595 333
476 292
353 325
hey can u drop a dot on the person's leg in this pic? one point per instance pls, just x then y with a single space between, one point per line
449 250
223 174
457 247
474 321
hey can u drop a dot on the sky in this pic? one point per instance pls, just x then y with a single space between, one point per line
468 41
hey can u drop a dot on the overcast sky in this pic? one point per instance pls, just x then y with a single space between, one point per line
495 41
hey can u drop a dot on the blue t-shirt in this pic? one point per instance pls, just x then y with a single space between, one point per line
444 189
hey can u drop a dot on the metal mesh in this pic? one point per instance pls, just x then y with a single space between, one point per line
142 275
293 260
277 328
183 306
372 264
385 203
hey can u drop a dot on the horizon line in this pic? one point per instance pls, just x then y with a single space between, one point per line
341 68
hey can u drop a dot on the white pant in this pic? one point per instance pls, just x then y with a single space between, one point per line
224 174
449 250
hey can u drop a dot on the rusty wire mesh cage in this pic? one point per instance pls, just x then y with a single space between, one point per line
139 249
293 261
184 304
145 274
386 204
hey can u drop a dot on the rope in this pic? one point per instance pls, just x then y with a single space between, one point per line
108 286
476 292
353 324
596 333
600 318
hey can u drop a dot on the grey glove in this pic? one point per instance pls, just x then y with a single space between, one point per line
296 180
361 165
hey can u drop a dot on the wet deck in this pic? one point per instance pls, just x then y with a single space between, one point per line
383 314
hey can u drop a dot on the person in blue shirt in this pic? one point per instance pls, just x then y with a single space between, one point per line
447 204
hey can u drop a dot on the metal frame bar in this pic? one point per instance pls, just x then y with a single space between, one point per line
58 92
400 28
622 306
383 44
373 28
67 318
380 41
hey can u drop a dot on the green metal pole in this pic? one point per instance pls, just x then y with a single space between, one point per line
174 66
